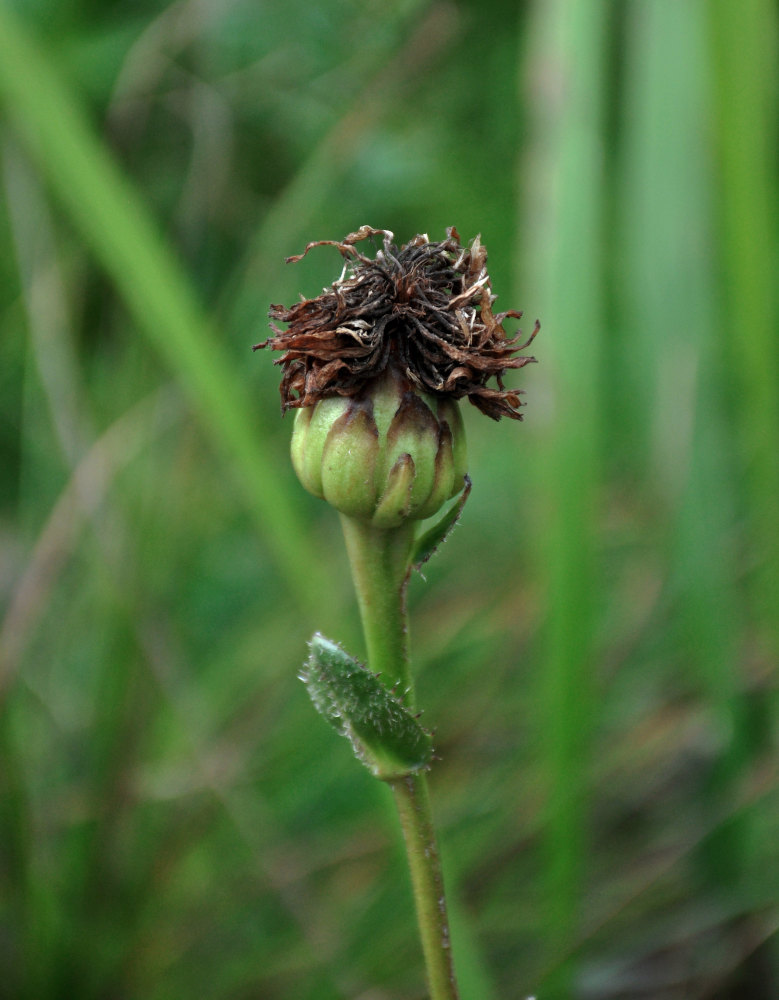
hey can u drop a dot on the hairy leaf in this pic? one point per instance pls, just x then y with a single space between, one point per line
385 736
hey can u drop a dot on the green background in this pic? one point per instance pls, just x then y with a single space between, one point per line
596 645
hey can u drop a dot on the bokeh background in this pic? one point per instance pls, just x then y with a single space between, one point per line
595 646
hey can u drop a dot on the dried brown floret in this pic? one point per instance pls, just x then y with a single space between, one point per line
424 309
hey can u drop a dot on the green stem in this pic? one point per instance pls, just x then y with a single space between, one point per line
379 561
416 819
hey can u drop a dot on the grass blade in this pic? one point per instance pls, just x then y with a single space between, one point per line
568 253
113 220
744 52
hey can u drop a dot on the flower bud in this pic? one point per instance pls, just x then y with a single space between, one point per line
386 455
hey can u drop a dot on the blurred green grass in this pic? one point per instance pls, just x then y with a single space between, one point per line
596 645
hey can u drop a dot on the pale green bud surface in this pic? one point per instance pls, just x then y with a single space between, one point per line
388 455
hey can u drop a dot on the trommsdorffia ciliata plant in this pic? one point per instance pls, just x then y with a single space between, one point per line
375 367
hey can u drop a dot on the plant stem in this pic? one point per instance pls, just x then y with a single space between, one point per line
416 819
379 561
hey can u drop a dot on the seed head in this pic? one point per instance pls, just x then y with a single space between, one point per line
423 312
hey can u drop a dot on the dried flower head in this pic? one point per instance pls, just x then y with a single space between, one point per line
424 311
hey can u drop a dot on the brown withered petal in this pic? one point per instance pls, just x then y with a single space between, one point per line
424 309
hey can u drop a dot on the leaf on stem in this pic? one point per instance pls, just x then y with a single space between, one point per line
428 544
385 736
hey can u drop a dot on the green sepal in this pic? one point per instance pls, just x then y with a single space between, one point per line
384 735
427 544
